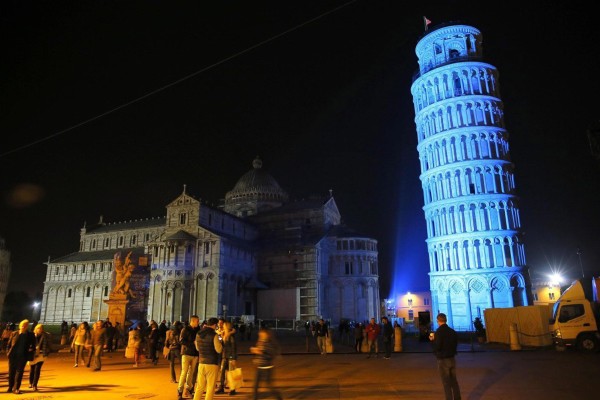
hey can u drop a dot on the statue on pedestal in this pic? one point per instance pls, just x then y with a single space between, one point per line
123 271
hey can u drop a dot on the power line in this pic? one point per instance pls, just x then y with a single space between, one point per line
153 92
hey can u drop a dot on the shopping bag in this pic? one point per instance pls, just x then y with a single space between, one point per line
129 351
235 379
166 350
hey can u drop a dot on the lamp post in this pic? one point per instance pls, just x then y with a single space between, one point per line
225 312
580 263
34 306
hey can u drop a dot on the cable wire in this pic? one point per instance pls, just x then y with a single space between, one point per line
155 91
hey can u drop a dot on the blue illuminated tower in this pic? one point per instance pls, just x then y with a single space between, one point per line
474 239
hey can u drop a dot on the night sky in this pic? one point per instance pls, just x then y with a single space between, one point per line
110 107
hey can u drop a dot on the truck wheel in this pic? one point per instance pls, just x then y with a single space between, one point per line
587 343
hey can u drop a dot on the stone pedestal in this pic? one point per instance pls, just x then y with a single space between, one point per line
117 308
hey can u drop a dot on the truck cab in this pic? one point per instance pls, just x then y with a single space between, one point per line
575 317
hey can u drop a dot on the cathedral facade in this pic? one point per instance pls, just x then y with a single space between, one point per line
472 212
258 253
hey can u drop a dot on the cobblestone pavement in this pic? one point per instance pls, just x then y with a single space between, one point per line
485 371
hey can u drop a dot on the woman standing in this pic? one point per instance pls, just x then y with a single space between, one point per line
135 343
229 355
153 339
172 343
42 349
266 350
79 340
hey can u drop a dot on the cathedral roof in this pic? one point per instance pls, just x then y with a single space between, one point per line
102 255
257 183
181 235
125 225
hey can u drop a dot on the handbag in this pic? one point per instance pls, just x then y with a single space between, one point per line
129 351
235 379
166 351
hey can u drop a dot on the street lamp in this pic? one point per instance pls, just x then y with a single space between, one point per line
225 311
35 306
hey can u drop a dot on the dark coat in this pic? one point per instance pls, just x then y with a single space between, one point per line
28 349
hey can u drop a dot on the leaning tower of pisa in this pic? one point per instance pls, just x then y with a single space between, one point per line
476 253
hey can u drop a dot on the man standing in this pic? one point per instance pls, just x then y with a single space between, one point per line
445 342
21 348
387 334
322 333
209 346
372 330
189 356
98 341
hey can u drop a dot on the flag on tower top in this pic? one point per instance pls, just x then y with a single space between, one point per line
426 22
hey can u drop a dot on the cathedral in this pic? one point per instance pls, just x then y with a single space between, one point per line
257 254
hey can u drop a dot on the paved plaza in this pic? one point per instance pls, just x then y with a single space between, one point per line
485 371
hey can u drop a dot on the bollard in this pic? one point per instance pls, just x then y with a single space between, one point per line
514 338
329 342
397 339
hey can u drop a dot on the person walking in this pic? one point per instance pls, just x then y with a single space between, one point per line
172 343
322 333
153 342
80 338
445 343
189 357
209 346
98 343
229 356
21 348
42 349
265 351
387 334
134 343
358 337
372 330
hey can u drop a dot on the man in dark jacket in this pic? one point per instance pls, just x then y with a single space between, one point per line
322 333
387 333
98 342
209 346
189 357
445 342
21 348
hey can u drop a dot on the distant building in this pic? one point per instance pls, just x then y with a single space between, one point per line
545 292
257 254
4 272
474 234
410 304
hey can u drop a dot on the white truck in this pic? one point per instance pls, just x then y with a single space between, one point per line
576 316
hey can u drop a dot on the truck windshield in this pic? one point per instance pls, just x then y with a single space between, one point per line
555 310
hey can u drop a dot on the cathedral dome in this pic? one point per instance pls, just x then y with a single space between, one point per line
255 191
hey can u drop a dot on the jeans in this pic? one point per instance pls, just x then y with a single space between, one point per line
387 347
174 355
79 353
187 379
322 343
373 345
97 356
34 373
265 375
16 368
207 378
447 369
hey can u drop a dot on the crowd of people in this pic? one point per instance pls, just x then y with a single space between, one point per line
204 352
